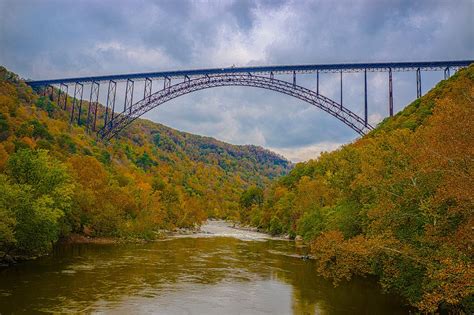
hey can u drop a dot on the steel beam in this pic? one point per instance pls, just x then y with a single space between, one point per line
365 99
128 95
390 94
418 83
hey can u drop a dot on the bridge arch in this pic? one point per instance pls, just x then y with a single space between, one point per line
122 120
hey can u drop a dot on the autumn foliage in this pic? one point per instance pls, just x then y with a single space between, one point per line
151 179
398 203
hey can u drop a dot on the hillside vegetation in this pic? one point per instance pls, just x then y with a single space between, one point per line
56 179
398 203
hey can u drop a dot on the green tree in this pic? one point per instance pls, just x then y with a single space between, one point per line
7 217
250 197
39 196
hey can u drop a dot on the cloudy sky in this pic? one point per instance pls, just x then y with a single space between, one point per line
52 39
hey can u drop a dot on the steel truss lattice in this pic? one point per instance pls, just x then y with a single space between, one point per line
120 121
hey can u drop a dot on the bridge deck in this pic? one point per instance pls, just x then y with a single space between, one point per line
346 67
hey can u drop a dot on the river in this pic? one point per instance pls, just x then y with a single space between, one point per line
219 271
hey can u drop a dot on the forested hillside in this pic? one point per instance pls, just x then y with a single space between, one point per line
56 179
398 203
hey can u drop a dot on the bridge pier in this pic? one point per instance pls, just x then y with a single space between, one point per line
50 94
110 101
147 89
365 98
93 100
341 88
446 73
294 78
128 95
61 91
418 83
317 82
390 93
78 91
59 96
166 83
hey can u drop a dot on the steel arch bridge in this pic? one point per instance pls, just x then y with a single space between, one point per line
195 80
210 81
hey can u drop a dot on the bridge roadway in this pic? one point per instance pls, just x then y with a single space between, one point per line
272 70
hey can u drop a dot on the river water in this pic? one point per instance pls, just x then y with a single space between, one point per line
219 271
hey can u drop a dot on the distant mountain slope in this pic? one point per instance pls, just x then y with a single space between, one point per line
149 178
251 161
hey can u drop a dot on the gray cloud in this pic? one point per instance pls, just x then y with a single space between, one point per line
47 39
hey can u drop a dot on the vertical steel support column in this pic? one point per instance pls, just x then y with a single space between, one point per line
167 83
317 82
294 78
446 73
59 96
341 89
418 83
128 95
96 107
93 101
73 103
80 107
110 102
365 98
61 91
51 94
114 90
147 90
78 92
390 92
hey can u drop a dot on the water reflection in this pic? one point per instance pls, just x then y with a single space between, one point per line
185 276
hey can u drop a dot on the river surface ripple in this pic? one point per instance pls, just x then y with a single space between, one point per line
218 271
